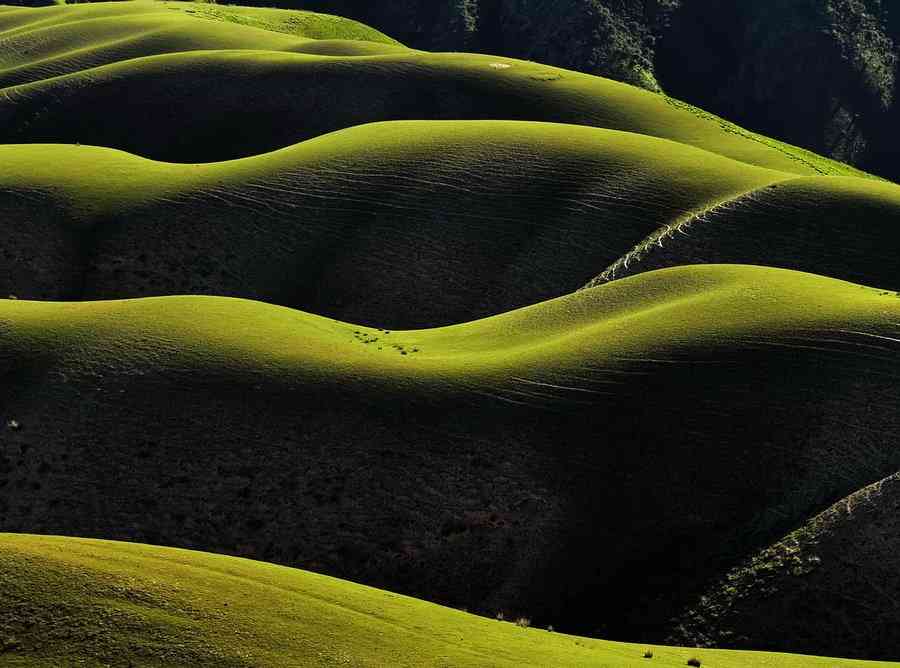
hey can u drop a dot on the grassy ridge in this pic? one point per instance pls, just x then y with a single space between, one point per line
400 224
348 91
703 305
480 464
71 600
421 223
56 41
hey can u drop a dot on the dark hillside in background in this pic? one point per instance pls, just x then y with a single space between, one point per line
817 73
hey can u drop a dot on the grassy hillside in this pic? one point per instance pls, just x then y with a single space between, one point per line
413 224
480 435
837 226
483 464
48 42
262 100
67 600
402 224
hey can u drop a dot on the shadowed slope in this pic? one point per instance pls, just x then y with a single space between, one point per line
412 224
400 224
484 464
832 226
816 588
264 100
72 600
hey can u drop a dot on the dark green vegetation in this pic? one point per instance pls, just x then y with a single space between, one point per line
600 460
820 73
838 563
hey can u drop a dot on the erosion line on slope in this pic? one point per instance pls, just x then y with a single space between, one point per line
667 231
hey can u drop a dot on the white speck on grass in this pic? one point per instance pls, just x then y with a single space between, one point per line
501 66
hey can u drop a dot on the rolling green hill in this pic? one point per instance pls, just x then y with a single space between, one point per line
197 201
482 465
262 100
412 224
68 601
401 224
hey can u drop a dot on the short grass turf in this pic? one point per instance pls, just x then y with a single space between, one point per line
296 96
696 305
397 224
55 41
423 223
87 602
483 464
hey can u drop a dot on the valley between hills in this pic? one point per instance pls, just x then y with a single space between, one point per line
320 350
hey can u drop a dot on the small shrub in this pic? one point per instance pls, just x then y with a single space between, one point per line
500 616
648 654
694 662
524 622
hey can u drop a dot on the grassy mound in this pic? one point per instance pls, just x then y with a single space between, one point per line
414 224
815 587
401 224
482 464
267 99
68 600
44 43
596 461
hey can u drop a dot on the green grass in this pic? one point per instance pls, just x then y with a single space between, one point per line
312 162
85 602
296 23
310 25
700 306
387 219
55 41
56 98
850 223
251 428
